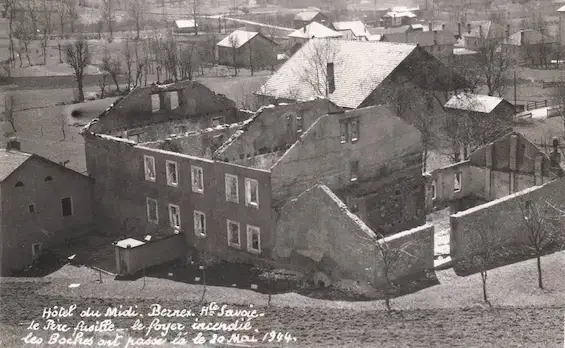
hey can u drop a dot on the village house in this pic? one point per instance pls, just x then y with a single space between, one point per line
42 204
302 19
500 168
439 44
240 203
185 26
483 117
384 72
396 19
529 47
311 31
477 34
247 49
352 30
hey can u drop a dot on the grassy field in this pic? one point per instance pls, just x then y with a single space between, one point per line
449 314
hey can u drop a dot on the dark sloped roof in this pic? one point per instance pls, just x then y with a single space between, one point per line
10 161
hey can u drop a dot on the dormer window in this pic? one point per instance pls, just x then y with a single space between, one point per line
19 184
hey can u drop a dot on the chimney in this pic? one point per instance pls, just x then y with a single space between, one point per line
430 26
13 144
459 29
331 78
480 31
469 28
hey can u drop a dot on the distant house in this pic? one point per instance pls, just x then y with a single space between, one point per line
492 116
352 30
247 48
311 31
304 18
396 19
43 204
185 26
440 44
476 33
529 47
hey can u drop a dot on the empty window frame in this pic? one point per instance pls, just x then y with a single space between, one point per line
343 132
36 249
155 102
234 235
253 239
232 190
48 178
152 211
19 184
457 182
197 179
67 206
31 208
149 166
354 130
174 216
174 99
354 170
199 224
252 192
434 189
172 173
216 121
299 123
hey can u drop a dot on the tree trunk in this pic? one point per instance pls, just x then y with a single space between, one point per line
80 89
484 279
115 78
540 282
425 164
137 28
60 56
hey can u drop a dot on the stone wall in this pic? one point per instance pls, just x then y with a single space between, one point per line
121 193
274 127
387 151
193 101
500 220
317 233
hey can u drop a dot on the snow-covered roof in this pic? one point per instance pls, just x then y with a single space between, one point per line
357 27
473 102
314 30
400 14
129 242
237 38
561 9
186 23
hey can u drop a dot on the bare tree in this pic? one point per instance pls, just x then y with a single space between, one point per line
99 26
317 56
47 14
9 110
206 261
108 8
195 9
234 45
136 11
170 58
539 220
390 256
483 248
113 66
78 57
128 60
189 61
32 10
495 60
63 13
44 44
23 32
102 84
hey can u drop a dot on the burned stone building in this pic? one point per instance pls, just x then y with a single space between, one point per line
230 198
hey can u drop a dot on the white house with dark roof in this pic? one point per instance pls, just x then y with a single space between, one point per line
245 49
354 74
395 19
438 43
